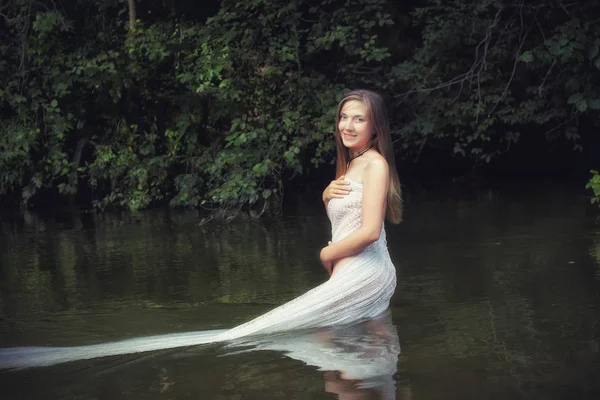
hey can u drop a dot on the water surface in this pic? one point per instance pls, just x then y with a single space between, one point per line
498 297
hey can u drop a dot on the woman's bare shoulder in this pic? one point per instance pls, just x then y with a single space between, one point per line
376 162
376 169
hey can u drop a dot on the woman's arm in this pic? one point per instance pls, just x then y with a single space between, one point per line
375 181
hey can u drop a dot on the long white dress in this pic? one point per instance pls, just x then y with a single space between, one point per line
361 289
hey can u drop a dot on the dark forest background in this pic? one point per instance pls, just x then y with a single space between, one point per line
220 105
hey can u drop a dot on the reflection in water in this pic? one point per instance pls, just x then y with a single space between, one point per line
359 360
498 297
104 261
595 253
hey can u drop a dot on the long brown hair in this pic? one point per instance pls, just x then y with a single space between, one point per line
382 142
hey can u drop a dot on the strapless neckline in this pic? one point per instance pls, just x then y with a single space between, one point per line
354 182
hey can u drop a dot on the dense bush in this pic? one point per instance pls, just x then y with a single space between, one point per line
220 110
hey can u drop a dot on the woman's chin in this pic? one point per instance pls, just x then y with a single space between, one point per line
350 145
355 147
354 142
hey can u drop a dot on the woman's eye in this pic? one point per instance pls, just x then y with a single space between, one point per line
342 117
359 120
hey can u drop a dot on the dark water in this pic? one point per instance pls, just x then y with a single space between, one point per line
498 298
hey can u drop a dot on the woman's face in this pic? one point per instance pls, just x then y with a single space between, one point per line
355 126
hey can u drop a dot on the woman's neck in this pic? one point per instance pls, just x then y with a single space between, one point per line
356 154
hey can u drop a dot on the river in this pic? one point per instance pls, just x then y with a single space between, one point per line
498 297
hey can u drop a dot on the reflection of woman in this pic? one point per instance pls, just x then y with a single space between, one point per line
359 359
363 278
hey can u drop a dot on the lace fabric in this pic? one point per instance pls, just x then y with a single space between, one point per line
360 289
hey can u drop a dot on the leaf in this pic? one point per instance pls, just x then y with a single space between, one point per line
594 104
572 85
597 63
582 106
526 57
594 50
54 103
575 98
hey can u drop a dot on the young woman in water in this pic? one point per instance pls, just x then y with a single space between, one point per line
363 278
364 156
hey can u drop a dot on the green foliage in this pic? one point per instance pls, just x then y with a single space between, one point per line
594 185
488 72
271 107
211 115
220 114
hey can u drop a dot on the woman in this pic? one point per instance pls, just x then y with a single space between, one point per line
365 159
363 278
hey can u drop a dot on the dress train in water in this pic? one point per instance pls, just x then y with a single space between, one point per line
359 290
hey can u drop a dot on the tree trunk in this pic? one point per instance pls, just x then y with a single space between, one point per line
73 179
131 15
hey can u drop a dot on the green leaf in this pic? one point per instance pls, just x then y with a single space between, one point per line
594 50
582 106
572 85
594 104
575 98
526 57
54 103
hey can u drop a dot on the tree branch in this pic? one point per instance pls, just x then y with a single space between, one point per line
541 87
478 65
131 15
560 125
514 69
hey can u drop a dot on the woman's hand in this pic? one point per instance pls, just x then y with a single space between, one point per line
326 259
337 189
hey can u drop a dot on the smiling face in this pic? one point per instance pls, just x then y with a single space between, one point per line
355 126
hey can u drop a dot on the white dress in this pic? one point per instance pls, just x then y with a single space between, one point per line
361 289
